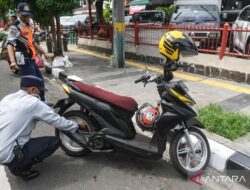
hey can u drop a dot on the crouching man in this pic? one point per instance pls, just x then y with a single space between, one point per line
19 113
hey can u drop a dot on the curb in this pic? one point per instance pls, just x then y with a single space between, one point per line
239 165
222 159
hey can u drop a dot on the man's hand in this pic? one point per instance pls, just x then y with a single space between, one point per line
42 51
82 125
13 66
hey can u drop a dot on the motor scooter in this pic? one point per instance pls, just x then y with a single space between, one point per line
108 120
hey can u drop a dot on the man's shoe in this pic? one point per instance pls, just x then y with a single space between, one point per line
29 174
26 175
16 71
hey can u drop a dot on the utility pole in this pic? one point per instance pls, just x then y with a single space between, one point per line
90 19
118 33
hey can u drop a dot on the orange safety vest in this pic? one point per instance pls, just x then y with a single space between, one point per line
26 32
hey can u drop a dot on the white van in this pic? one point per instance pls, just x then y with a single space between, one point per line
195 13
149 17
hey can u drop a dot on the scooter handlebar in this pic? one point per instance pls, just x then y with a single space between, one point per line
143 78
138 80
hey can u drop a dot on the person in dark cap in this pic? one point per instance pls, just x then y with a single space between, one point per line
19 113
22 46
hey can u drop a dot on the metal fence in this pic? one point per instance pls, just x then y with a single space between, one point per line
225 41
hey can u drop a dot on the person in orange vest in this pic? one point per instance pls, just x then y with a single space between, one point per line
22 46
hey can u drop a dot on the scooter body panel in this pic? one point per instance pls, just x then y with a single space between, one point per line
140 145
106 115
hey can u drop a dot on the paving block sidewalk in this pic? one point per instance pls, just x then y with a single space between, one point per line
230 68
91 68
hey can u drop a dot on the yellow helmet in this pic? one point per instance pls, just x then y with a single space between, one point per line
175 42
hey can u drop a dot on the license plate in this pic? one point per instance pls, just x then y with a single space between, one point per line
197 43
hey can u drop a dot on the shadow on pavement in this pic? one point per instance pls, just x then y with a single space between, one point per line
62 172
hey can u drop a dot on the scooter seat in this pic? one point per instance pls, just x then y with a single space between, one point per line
123 102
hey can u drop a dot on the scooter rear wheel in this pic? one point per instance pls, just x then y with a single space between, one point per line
69 146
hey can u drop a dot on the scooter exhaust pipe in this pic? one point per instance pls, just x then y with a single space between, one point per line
76 137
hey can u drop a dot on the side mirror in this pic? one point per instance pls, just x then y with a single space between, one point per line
176 9
248 18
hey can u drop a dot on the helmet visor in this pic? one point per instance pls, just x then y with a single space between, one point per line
187 51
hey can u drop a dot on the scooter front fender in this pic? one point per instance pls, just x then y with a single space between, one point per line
63 105
193 122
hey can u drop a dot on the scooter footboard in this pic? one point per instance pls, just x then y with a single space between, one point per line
140 145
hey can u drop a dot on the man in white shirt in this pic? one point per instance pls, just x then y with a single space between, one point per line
19 113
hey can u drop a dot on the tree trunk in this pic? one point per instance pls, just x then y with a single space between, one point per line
53 34
99 11
59 51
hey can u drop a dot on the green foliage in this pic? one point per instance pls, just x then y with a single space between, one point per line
44 10
55 7
5 5
3 36
51 8
107 13
168 10
230 125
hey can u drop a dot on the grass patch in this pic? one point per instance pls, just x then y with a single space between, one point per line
230 125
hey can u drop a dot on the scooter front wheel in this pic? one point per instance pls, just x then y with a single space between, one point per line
68 145
186 161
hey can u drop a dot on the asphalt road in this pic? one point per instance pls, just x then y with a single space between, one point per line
111 171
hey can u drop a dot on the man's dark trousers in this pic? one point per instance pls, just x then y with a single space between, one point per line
35 150
30 68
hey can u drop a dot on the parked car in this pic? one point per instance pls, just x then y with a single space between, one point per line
128 19
199 14
64 19
241 40
151 17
